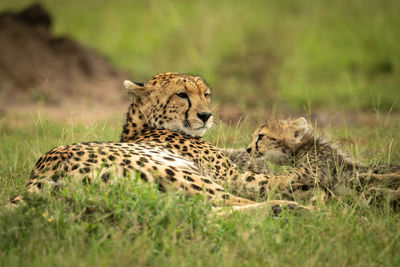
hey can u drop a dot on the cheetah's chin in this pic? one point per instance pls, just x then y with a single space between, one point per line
194 132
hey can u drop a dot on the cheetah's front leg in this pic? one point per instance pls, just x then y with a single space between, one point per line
255 186
274 206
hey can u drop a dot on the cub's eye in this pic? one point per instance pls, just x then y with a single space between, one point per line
207 95
182 95
260 136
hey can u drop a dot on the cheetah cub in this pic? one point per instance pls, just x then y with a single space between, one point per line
295 141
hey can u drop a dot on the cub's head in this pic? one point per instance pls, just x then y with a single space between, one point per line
278 140
172 101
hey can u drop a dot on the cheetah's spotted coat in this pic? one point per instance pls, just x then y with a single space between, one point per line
161 139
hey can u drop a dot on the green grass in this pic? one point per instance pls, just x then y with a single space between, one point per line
132 224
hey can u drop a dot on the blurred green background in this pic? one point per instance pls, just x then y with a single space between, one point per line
291 54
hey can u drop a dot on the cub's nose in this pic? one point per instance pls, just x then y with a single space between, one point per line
248 150
204 116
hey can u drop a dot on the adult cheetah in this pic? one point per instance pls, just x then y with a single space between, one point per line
161 140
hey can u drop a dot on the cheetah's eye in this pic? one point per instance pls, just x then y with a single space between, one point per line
182 95
260 136
207 95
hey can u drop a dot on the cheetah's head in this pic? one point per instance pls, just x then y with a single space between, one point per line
278 140
174 101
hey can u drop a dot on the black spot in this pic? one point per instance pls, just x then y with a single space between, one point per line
80 153
92 160
210 191
194 186
55 167
276 209
206 181
305 187
55 177
169 158
84 170
111 157
262 191
86 180
161 188
143 176
144 160
226 196
170 172
126 173
190 179
250 178
105 177
171 178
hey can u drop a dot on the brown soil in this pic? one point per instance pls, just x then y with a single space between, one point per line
38 67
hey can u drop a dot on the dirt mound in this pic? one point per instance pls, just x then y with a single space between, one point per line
36 66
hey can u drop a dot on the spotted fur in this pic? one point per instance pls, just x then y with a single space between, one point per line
162 141
316 158
173 101
246 162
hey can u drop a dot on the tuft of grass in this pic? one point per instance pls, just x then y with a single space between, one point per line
130 223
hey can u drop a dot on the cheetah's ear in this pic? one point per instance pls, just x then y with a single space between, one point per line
132 88
301 127
136 90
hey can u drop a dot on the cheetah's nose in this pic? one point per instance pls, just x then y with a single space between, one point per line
204 116
248 150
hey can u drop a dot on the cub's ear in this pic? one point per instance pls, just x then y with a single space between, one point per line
301 127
